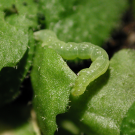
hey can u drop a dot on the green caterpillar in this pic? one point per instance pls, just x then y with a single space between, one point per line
71 50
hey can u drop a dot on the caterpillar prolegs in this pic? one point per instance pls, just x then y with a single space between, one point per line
71 50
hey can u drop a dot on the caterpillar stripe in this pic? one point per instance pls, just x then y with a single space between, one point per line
71 50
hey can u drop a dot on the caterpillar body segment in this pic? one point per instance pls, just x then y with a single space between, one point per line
85 76
71 50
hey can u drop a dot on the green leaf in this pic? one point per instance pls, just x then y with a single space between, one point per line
11 78
17 48
83 21
104 105
52 81
13 43
18 18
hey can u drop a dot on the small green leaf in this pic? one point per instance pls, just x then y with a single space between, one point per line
17 48
13 43
11 78
16 17
52 81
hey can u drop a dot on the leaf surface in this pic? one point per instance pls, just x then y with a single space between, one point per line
12 77
13 43
104 105
83 21
52 81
